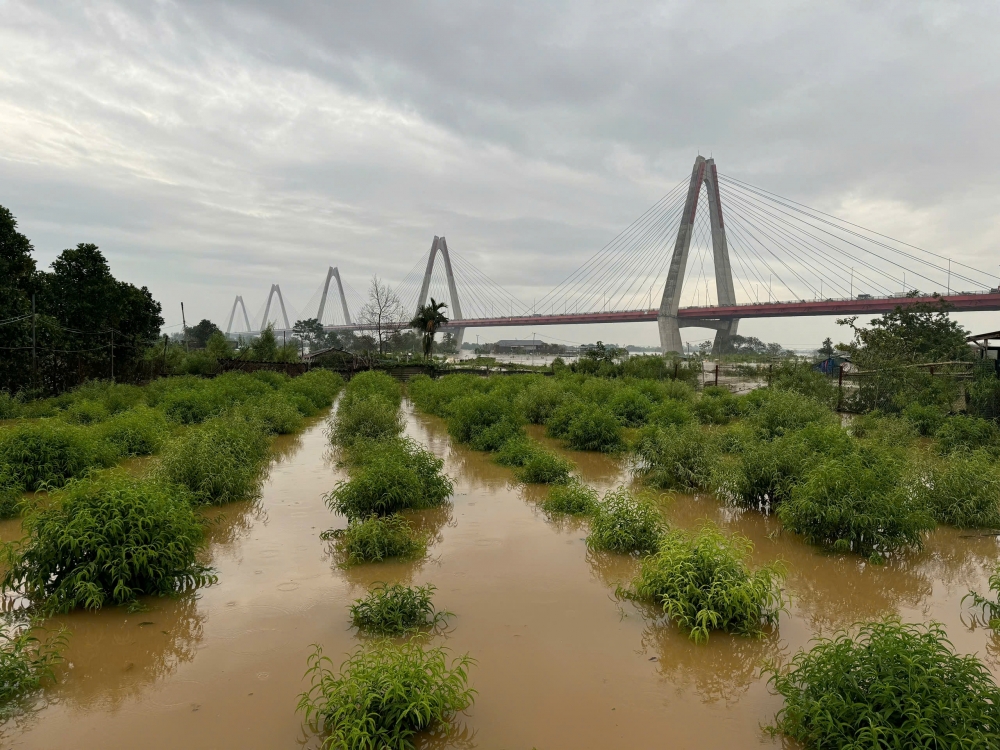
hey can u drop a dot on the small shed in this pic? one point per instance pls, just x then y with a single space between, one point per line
831 365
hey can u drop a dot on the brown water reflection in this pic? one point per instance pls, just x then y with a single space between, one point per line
562 663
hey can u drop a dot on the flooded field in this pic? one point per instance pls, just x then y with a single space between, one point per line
561 663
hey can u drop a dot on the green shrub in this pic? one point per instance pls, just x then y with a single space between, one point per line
625 523
557 425
48 453
138 432
670 411
11 497
192 406
375 539
26 661
388 477
703 582
436 396
963 490
982 397
990 607
220 461
595 429
86 412
373 383
927 419
107 540
544 467
395 609
515 452
801 378
858 502
890 686
658 391
10 406
278 414
384 695
573 497
370 419
674 457
777 413
540 400
716 406
886 429
967 432
630 407
320 387
484 421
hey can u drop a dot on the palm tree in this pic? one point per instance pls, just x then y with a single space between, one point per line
427 320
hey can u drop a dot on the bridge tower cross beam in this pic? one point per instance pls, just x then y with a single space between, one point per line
703 173
333 273
440 245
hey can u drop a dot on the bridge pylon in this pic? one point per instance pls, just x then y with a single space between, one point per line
703 173
246 318
440 245
333 273
275 289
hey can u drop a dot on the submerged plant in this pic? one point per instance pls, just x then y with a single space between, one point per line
703 582
893 685
990 607
484 421
624 523
369 419
49 453
675 457
395 609
574 498
137 432
593 428
544 467
963 490
963 432
27 657
107 540
384 695
376 539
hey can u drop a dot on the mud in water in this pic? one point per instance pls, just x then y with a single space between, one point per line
561 663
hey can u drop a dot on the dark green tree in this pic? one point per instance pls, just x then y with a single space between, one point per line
428 320
200 334
827 349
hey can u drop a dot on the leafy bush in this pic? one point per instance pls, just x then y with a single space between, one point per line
703 583
573 497
515 452
557 425
220 461
967 432
625 523
26 661
484 421
10 498
395 609
982 397
138 432
927 419
716 406
384 695
858 502
776 413
541 399
593 428
436 396
320 387
544 467
658 391
110 539
674 457
963 490
390 476
48 453
890 686
86 412
370 419
990 607
373 383
275 411
887 429
376 538
670 411
630 407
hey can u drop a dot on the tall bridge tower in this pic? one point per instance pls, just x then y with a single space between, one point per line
704 173
455 307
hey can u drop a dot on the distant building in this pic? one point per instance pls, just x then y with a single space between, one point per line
517 346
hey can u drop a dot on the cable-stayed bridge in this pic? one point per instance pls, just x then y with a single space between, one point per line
713 251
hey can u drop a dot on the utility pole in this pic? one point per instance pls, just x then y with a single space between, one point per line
949 277
34 355
166 338
185 325
112 355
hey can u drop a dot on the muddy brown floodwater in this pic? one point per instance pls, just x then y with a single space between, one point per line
560 662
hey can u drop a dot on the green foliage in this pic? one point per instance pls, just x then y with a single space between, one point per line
892 685
573 497
920 332
962 432
990 607
515 452
107 540
717 406
703 582
624 523
630 407
982 397
220 461
365 385
86 412
320 387
544 467
776 413
48 453
384 695
540 400
858 502
593 428
395 609
963 490
370 419
390 476
671 411
10 498
276 412
137 432
484 421
375 539
27 657
886 429
801 378
675 457
927 419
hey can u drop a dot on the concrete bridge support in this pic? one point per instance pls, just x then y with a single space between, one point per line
703 173
440 245
246 318
275 289
333 273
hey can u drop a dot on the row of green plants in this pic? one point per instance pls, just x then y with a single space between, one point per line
110 536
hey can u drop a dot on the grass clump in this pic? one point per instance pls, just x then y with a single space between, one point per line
703 583
484 421
674 457
593 428
624 523
137 432
574 498
630 407
963 490
319 387
48 453
926 418
892 685
26 661
390 476
395 609
277 412
775 413
375 539
544 467
220 461
671 411
107 540
717 406
384 695
366 420
858 502
970 433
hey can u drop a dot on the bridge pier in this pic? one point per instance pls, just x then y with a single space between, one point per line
455 312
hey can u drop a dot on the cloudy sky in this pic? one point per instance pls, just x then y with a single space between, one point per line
213 148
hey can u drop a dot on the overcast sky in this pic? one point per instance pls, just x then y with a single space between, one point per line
214 148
